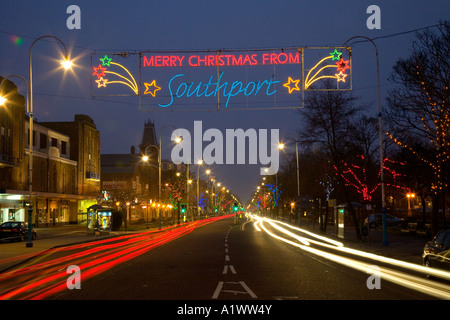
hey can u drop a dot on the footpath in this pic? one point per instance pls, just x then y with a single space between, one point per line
17 252
408 248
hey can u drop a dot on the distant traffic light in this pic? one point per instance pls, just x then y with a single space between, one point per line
183 208
236 207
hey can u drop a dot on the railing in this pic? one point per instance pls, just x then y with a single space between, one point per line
6 159
92 175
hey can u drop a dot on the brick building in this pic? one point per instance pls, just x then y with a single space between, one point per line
66 165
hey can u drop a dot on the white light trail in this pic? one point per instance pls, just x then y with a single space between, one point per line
436 289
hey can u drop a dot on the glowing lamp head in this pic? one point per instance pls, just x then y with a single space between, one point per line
67 64
145 158
2 100
178 139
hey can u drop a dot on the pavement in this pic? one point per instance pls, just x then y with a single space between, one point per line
15 253
408 248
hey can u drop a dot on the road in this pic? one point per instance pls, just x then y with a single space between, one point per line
216 261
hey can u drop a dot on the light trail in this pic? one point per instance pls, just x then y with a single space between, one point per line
421 284
44 279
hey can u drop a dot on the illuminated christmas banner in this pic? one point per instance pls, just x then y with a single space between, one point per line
221 80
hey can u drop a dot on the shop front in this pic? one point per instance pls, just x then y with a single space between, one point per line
13 207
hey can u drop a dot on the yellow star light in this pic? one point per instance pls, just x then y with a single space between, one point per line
340 76
101 82
295 87
149 85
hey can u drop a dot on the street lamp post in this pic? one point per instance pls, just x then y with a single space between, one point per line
66 64
199 163
208 172
145 158
410 196
298 184
187 187
383 199
158 147
298 202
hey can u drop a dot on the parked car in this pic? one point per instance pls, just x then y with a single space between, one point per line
436 253
375 219
15 230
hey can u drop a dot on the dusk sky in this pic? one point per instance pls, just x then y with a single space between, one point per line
177 26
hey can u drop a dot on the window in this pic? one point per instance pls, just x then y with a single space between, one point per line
54 142
63 147
73 181
42 141
55 183
64 180
438 241
42 176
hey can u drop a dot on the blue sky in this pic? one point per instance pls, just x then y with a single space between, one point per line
195 25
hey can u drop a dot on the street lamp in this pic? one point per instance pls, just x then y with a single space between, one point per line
383 198
199 163
66 64
281 147
3 98
410 196
145 158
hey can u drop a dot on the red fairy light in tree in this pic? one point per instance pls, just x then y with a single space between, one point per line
355 177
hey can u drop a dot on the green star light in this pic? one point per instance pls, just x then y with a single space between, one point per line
105 61
336 55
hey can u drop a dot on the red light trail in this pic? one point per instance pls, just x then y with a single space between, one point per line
45 279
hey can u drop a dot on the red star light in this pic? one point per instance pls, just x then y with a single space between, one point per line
99 71
342 65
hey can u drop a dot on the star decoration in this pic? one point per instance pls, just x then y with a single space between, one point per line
101 82
105 61
294 87
336 55
342 65
99 71
149 85
341 76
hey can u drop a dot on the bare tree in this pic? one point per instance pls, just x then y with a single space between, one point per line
329 118
419 106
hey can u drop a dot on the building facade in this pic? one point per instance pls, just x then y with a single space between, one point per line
13 180
65 171
132 183
85 150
